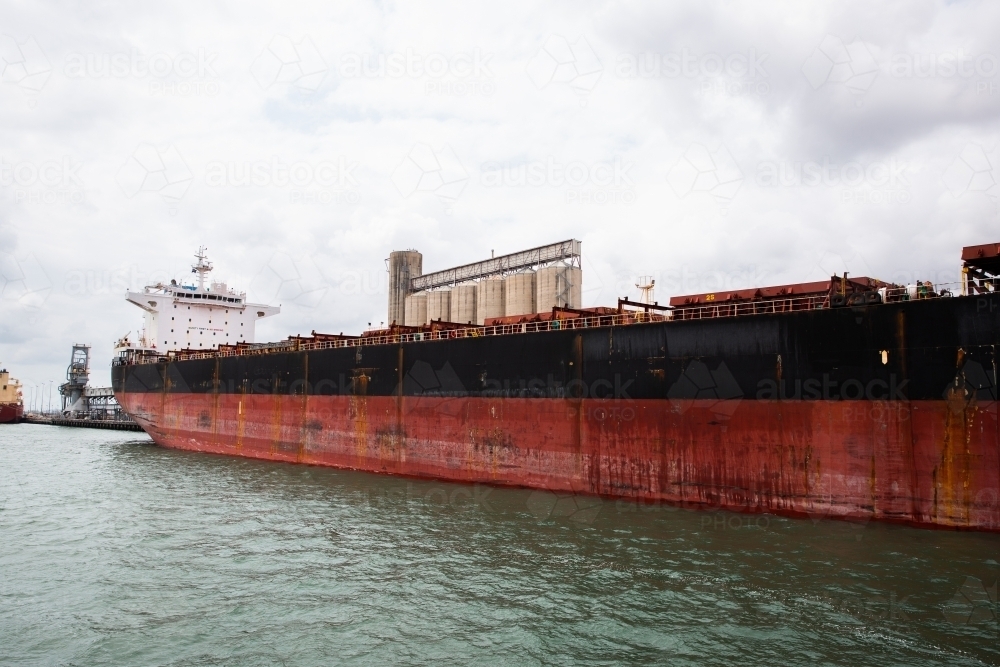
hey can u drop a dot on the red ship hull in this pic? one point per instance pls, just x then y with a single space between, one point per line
920 462
11 413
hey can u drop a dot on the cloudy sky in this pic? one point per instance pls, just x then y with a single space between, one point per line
710 146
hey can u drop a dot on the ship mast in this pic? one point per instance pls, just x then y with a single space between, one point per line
202 267
646 285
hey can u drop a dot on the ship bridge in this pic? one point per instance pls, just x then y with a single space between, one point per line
198 316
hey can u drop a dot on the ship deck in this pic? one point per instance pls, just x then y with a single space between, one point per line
717 310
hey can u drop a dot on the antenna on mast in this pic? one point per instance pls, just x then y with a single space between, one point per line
645 286
202 267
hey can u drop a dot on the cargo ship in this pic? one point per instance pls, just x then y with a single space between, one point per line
11 401
847 398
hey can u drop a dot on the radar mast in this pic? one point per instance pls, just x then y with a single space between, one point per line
201 267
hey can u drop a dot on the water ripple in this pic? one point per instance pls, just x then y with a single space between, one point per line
115 551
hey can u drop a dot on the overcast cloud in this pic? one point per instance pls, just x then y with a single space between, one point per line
710 145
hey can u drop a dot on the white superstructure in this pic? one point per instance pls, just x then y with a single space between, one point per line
196 317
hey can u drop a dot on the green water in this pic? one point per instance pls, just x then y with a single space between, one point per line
116 552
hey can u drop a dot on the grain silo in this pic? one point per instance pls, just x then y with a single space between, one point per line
416 309
519 293
558 285
439 305
404 265
463 304
489 299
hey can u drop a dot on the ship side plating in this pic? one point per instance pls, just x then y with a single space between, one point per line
870 410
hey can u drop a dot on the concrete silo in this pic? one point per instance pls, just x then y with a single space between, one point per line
558 285
404 265
439 305
489 299
416 309
463 304
519 293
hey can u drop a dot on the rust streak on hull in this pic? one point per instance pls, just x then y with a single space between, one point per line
911 462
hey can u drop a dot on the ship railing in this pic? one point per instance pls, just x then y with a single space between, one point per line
710 310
